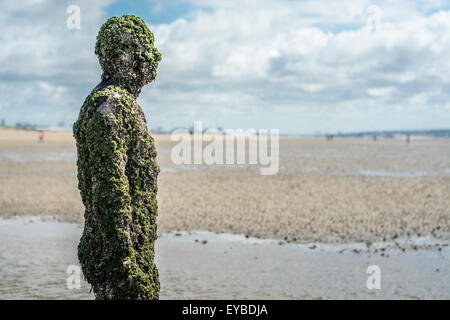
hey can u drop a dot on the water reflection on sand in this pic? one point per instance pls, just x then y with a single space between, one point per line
34 256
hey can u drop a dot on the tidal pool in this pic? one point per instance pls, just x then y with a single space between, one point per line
35 256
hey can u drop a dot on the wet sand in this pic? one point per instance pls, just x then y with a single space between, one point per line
35 255
308 232
346 190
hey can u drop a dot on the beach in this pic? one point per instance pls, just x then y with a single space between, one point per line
355 201
340 191
38 257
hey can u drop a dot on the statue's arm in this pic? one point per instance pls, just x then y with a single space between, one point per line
110 198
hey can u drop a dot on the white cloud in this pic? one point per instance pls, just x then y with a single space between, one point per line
380 92
419 99
314 54
45 68
298 66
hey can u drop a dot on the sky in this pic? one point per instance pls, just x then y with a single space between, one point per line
303 67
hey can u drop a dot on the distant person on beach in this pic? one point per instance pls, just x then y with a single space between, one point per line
41 135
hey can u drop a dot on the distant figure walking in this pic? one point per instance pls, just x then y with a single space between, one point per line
41 135
408 138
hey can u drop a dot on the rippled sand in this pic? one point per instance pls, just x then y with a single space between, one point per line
340 191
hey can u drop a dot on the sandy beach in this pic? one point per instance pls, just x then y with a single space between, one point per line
340 191
308 232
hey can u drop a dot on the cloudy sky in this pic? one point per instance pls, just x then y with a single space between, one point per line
303 67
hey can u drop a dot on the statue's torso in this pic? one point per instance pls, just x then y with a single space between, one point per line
117 173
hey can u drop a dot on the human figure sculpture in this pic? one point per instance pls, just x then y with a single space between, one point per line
117 169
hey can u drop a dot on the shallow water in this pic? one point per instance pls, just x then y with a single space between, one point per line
35 255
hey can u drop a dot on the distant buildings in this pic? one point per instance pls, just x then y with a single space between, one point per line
30 126
436 133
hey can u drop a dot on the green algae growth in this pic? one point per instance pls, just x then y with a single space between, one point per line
117 169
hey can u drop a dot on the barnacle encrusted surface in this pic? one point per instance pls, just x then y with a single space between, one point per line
125 49
117 169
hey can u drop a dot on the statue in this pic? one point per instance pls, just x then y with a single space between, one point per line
117 169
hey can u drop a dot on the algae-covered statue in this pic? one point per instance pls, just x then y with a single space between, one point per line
117 169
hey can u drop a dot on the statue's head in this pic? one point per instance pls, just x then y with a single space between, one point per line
125 49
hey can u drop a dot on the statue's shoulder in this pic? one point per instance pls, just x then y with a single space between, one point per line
111 100
105 102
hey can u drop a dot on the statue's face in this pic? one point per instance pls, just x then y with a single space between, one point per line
125 48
